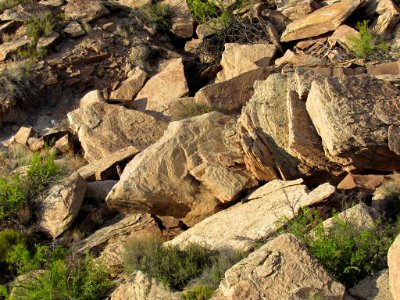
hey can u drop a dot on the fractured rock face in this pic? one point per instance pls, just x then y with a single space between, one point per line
281 269
355 118
104 128
257 217
193 168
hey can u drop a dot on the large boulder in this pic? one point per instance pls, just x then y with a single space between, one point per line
281 269
394 268
103 129
85 10
323 20
238 59
59 206
195 167
181 18
165 86
357 119
258 216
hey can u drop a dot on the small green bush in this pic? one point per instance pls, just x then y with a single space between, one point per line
8 239
12 196
203 11
366 44
158 14
41 26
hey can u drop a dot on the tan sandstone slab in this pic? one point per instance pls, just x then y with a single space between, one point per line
394 268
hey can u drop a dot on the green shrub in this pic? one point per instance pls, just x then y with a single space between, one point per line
347 252
158 14
203 11
8 239
199 292
12 196
41 26
366 44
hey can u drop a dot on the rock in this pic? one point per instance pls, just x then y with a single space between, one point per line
298 9
106 168
91 97
85 10
110 240
99 190
208 28
353 115
104 128
323 20
281 269
232 94
59 206
193 168
74 29
342 36
35 144
367 182
9 48
140 286
389 16
298 59
238 59
23 134
54 3
169 84
67 144
135 4
394 268
392 68
130 87
258 216
47 40
18 290
375 287
24 12
181 18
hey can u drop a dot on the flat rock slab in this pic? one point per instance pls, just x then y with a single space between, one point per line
281 269
85 10
241 225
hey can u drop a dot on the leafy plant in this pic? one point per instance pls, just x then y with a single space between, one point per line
158 14
366 44
12 196
203 11
8 239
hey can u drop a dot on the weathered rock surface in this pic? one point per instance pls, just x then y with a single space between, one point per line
104 128
24 12
374 287
394 268
85 10
181 18
258 216
130 87
169 84
298 9
298 59
98 190
238 59
74 29
193 168
281 269
23 134
60 205
134 3
232 94
91 97
110 240
323 20
140 286
9 48
354 116
106 168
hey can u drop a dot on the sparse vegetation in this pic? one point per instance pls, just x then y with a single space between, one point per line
41 25
199 292
158 14
203 11
366 44
7 4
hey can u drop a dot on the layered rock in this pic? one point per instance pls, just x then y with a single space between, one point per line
281 269
104 128
355 118
394 268
188 173
258 216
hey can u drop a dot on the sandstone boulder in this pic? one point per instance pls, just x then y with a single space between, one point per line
323 20
60 205
130 87
193 168
281 269
104 128
394 268
181 18
354 116
91 97
294 10
375 287
169 84
258 216
85 10
298 59
238 59
23 134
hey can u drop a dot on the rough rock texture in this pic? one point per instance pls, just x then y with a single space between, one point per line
60 205
23 134
165 86
341 35
394 268
91 97
85 10
106 168
374 287
232 94
74 29
195 166
354 117
298 9
238 59
277 135
323 20
9 48
130 87
110 240
181 18
281 269
134 3
297 59
256 217
174 109
104 128
24 12
139 286
98 190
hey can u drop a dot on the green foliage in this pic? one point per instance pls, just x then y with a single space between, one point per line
158 14
41 26
21 259
199 292
349 253
12 196
8 239
7 4
366 44
203 11
15 85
